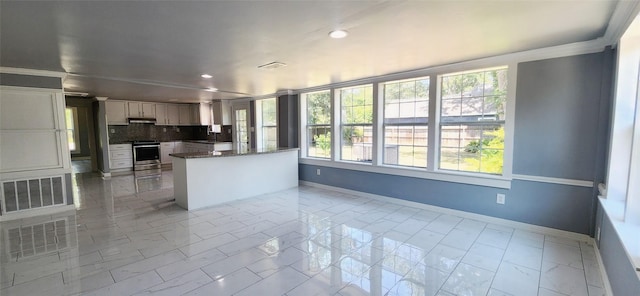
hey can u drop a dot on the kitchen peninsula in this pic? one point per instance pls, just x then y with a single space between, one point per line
202 179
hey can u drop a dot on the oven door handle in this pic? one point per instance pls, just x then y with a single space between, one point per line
147 146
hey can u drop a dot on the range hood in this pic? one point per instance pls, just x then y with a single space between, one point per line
142 120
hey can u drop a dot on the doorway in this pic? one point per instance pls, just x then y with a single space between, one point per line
81 134
242 122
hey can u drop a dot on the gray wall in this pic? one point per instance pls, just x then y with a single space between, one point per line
30 81
557 125
288 122
620 271
102 139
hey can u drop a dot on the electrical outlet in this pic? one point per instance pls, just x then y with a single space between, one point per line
500 198
164 129
318 172
598 233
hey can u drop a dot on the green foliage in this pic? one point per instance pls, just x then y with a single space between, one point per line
323 142
319 108
491 153
352 134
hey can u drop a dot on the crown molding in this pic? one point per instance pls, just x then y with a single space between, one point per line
623 15
32 72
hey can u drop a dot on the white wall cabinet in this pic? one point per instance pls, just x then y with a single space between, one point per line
141 109
120 156
117 112
184 114
173 114
161 114
221 112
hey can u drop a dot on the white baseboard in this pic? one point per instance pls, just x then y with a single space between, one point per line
605 279
36 212
479 217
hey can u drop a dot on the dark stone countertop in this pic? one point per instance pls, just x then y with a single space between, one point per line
211 154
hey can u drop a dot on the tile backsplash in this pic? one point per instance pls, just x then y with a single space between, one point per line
127 133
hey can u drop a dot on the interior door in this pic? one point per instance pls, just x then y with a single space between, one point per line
242 123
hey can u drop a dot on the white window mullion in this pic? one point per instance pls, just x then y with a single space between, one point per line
632 208
434 124
378 129
336 127
302 133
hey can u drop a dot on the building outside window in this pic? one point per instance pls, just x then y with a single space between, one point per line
406 118
267 120
318 127
356 123
472 119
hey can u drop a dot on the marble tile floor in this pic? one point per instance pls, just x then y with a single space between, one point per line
128 238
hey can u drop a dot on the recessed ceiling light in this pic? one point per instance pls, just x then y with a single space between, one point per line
206 76
212 89
337 34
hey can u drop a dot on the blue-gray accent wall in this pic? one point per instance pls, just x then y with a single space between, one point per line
558 123
620 271
30 81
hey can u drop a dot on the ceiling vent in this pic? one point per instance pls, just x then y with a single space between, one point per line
272 66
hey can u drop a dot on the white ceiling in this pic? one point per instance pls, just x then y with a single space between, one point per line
156 50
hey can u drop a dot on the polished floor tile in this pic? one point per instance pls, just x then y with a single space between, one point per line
127 237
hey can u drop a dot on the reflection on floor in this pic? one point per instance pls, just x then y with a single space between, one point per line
128 238
81 166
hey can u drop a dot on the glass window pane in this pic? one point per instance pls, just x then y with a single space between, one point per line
356 143
319 141
319 107
422 109
472 107
451 87
475 141
407 110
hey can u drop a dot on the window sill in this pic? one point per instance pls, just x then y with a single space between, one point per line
446 176
627 232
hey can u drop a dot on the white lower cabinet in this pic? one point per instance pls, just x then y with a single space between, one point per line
167 148
120 156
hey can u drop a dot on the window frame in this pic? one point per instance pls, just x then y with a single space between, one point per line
74 130
304 124
441 123
339 118
431 172
384 125
260 132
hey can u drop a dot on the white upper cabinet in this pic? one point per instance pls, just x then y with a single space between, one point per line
117 112
173 114
142 110
161 114
221 112
184 114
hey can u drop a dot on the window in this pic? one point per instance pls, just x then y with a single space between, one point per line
318 124
472 118
267 121
406 117
71 119
356 123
